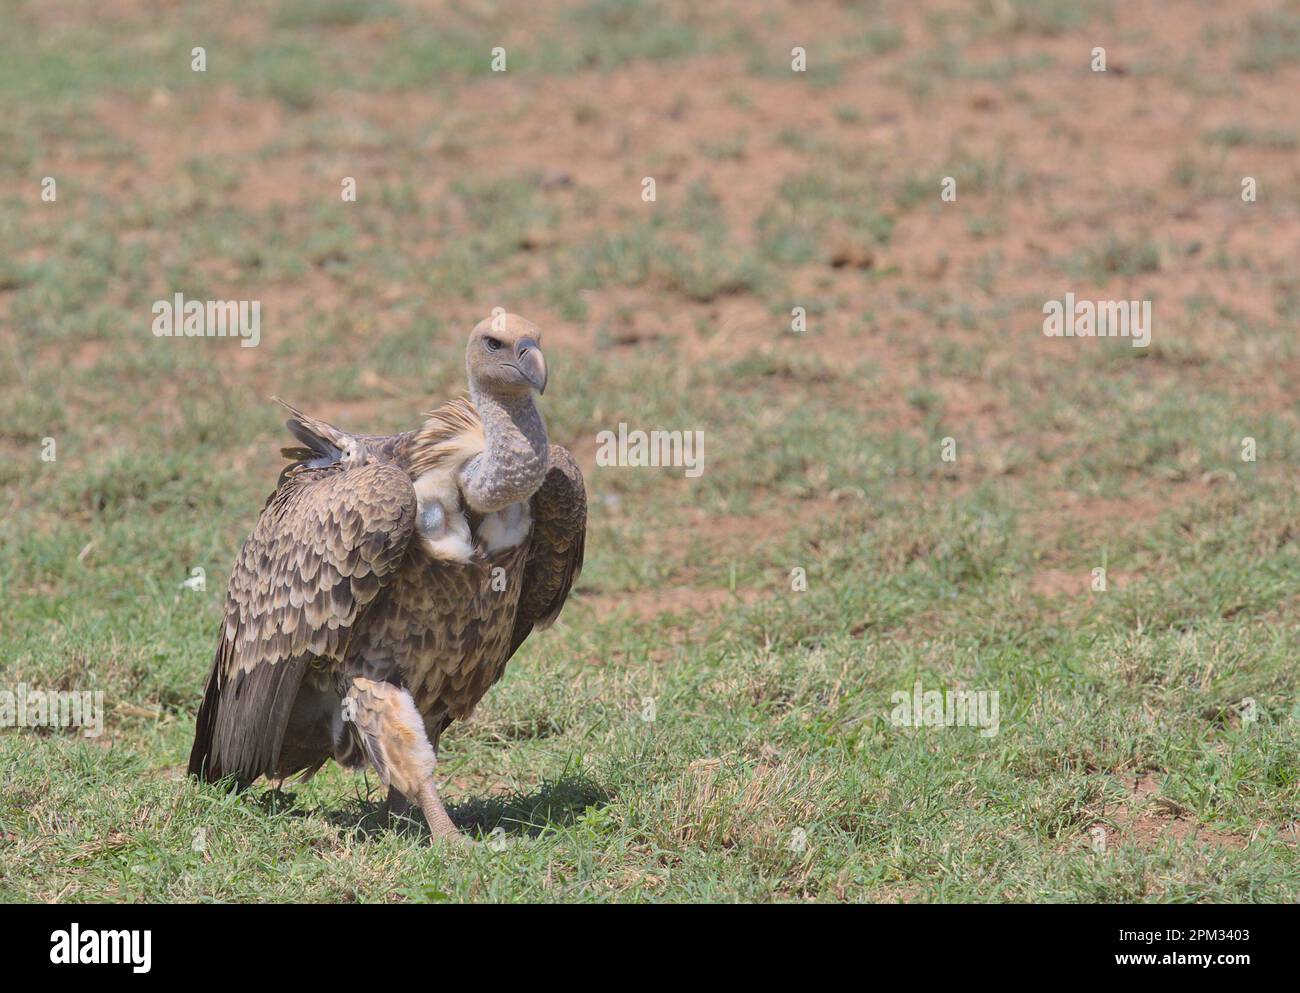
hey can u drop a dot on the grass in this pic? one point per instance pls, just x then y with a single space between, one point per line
1272 40
695 727
1235 136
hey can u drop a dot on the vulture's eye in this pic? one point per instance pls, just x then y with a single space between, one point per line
492 344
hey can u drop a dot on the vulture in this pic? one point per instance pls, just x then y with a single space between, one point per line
390 579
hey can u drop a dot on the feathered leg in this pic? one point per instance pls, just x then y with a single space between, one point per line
392 733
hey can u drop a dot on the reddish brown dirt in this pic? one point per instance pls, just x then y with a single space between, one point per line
1085 157
1148 819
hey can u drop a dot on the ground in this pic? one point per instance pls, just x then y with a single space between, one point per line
696 727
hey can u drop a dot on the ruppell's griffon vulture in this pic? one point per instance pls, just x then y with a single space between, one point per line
390 579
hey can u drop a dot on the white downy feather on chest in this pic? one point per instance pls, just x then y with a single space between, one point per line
444 528
506 527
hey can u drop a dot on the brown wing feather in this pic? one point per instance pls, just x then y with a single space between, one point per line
326 544
555 553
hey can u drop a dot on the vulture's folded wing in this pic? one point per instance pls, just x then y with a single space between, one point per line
327 542
555 552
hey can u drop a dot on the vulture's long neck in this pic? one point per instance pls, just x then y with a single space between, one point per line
514 459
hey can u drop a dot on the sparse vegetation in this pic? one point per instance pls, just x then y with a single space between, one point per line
1123 708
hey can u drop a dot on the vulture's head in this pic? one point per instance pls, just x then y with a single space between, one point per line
505 356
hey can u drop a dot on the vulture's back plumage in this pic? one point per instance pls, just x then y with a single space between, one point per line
386 572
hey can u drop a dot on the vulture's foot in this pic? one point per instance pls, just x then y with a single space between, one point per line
440 824
400 813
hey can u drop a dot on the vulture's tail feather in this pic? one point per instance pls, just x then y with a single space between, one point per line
323 443
203 763
321 439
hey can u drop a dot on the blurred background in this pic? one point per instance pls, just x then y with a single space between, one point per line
775 190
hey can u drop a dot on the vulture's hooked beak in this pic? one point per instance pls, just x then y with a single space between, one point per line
532 363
